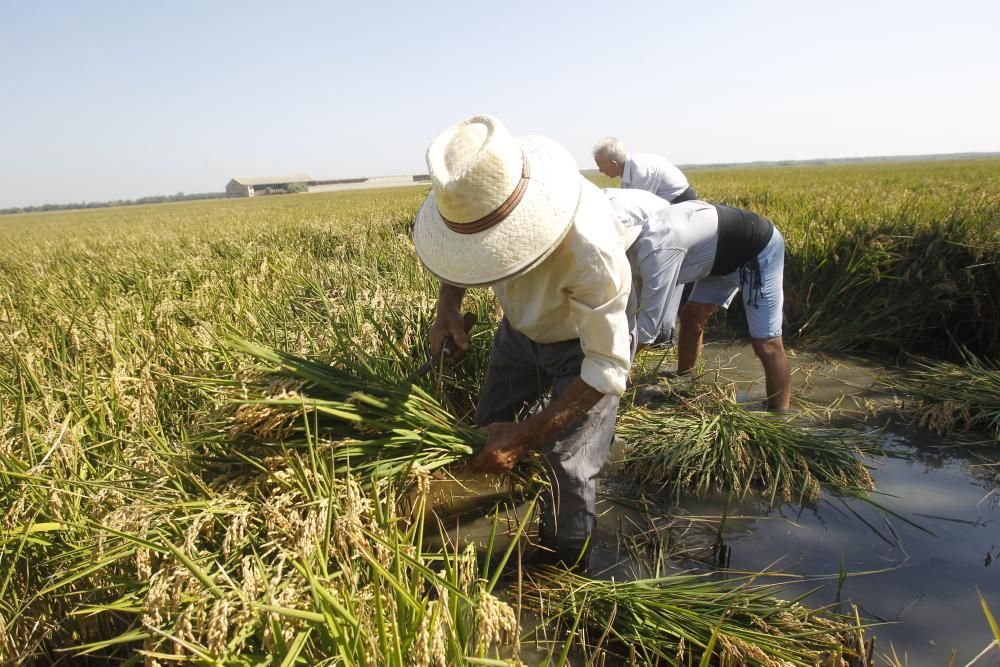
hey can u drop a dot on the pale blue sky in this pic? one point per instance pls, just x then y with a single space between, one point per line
106 100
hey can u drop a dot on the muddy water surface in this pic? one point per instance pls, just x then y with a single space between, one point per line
914 557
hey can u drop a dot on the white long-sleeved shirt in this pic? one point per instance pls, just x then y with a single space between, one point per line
580 291
653 173
634 209
676 245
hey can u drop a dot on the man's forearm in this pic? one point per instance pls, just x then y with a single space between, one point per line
506 442
565 410
450 298
688 346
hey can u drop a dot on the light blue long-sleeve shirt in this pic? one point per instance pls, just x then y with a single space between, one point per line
676 245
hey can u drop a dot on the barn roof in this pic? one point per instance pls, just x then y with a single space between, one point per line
273 180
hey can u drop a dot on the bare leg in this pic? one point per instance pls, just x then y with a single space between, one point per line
777 375
692 322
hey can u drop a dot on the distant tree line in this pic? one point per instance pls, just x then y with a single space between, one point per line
156 199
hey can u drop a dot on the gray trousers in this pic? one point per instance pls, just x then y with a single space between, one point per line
520 374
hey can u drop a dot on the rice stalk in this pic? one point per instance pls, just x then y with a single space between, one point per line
376 428
708 442
683 618
948 397
110 322
328 572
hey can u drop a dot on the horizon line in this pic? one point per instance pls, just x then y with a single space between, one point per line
210 194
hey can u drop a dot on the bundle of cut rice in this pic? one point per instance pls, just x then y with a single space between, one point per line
950 396
706 442
376 428
688 619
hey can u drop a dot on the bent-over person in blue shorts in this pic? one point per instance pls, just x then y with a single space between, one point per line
722 250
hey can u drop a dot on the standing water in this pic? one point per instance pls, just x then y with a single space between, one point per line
911 559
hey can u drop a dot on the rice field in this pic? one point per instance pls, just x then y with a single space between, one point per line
172 495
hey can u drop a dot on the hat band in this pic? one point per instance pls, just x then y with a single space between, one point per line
504 210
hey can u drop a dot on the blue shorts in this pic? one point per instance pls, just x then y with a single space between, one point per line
763 307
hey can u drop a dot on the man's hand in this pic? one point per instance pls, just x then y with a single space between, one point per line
450 324
506 443
446 338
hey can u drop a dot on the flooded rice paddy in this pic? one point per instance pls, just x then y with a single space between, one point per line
911 558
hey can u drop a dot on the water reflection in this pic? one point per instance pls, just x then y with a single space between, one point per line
920 578
914 554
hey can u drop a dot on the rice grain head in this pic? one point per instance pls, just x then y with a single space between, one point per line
496 622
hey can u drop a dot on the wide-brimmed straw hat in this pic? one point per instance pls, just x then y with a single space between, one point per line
499 205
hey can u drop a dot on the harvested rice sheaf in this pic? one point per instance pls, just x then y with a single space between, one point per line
374 427
674 620
949 397
708 442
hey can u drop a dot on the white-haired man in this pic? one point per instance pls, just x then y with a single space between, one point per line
516 215
722 250
642 171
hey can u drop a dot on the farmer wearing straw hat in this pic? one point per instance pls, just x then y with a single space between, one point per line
722 250
514 214
642 171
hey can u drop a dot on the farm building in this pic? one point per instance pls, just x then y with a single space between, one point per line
368 182
248 187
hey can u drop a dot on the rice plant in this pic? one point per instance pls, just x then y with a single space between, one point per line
113 331
891 259
374 427
296 564
688 619
994 628
119 485
947 396
706 441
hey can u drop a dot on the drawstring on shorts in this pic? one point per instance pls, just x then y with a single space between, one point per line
750 273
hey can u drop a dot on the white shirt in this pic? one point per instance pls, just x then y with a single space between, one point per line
653 173
675 246
634 207
580 291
